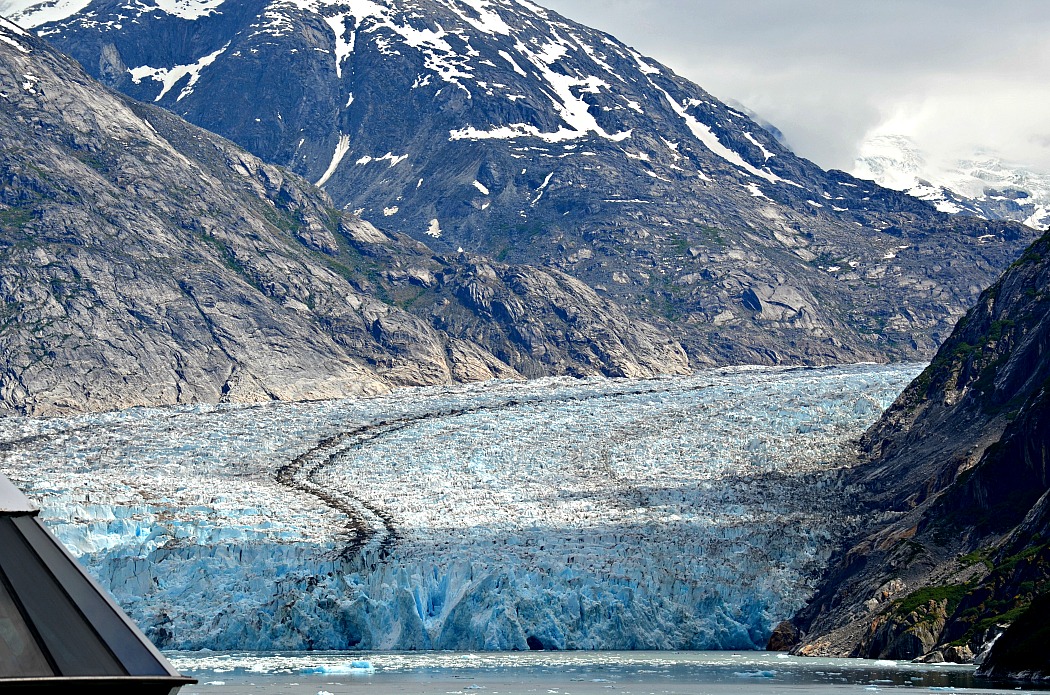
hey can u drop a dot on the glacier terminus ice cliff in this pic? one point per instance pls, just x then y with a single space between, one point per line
672 513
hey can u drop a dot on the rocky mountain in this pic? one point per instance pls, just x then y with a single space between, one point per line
983 185
146 261
956 481
504 129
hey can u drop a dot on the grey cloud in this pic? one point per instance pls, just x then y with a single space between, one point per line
828 71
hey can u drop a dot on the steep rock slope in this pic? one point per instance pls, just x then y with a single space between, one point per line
505 129
956 481
1021 651
145 261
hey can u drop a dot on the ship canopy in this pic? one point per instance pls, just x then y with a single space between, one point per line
57 625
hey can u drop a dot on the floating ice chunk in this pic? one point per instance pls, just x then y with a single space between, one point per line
351 668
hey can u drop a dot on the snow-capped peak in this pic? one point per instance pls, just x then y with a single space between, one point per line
541 61
982 184
33 13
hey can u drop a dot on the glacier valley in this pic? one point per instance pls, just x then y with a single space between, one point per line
673 513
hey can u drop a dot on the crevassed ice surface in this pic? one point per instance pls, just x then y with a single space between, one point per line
677 513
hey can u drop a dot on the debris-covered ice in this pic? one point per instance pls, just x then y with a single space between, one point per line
688 513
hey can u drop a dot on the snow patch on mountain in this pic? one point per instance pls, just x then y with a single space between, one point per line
32 13
517 68
6 29
645 67
169 77
16 45
765 153
704 134
341 148
755 191
575 73
343 46
541 12
189 9
487 22
11 27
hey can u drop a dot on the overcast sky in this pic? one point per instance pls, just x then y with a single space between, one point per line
954 74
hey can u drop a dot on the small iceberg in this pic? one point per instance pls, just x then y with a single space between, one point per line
351 668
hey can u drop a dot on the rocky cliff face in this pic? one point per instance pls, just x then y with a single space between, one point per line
504 129
1020 653
956 481
146 261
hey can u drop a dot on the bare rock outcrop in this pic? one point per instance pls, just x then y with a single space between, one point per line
955 486
146 261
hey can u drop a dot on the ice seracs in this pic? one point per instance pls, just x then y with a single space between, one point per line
594 514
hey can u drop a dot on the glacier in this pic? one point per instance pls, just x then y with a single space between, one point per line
671 513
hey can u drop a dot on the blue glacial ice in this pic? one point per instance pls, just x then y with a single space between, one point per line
678 513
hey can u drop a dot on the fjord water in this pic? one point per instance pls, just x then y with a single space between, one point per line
676 513
567 673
